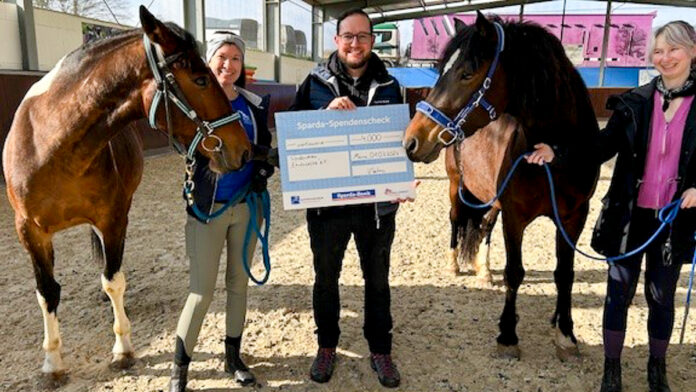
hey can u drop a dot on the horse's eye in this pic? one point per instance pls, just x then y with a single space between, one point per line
467 76
202 81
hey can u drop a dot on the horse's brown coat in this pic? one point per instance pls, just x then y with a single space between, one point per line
71 156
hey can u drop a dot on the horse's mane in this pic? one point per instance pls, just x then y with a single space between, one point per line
185 36
81 59
544 88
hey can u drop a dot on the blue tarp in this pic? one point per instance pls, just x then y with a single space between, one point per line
414 77
613 76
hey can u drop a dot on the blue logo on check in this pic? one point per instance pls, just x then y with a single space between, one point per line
353 194
294 200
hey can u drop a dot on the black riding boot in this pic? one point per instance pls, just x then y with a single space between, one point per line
179 378
611 381
657 375
234 364
180 368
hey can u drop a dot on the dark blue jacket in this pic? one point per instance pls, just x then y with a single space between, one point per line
205 180
322 86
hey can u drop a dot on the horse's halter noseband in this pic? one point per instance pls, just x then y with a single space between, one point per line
168 87
454 127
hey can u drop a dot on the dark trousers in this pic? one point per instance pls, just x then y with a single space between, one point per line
329 232
660 280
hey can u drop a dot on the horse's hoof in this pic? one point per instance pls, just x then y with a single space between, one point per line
566 348
568 354
455 270
122 361
508 352
453 257
53 380
484 281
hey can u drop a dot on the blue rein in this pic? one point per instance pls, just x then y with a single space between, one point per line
453 128
666 215
251 199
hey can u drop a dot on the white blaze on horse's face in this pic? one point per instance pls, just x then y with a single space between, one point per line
434 132
44 83
450 62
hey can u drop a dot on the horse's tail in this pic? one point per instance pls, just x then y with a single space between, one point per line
476 225
97 249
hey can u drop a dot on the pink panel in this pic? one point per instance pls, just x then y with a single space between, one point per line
629 36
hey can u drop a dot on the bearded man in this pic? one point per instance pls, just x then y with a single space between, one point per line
353 76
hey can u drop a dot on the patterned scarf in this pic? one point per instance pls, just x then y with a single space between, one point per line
689 88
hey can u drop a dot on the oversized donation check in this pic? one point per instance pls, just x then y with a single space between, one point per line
339 157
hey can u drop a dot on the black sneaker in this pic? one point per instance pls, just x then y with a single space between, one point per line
323 365
386 370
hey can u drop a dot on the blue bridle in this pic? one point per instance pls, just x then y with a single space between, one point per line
453 128
168 87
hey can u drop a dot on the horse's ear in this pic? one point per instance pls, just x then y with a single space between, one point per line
483 25
459 25
157 31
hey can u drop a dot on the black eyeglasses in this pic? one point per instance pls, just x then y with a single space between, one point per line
348 38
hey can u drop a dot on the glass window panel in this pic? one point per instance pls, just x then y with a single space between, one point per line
165 10
296 29
244 18
329 34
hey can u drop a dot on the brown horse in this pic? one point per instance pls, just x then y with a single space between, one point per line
70 158
519 69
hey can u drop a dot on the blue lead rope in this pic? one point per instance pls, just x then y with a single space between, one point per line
239 196
666 215
251 199
500 191
670 210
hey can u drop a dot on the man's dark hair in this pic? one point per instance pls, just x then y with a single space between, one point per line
353 11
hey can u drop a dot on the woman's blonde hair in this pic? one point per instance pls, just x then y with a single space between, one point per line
676 33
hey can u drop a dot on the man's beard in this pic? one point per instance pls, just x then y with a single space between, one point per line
352 65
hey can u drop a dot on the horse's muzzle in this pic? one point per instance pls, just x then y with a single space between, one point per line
421 152
225 161
411 146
